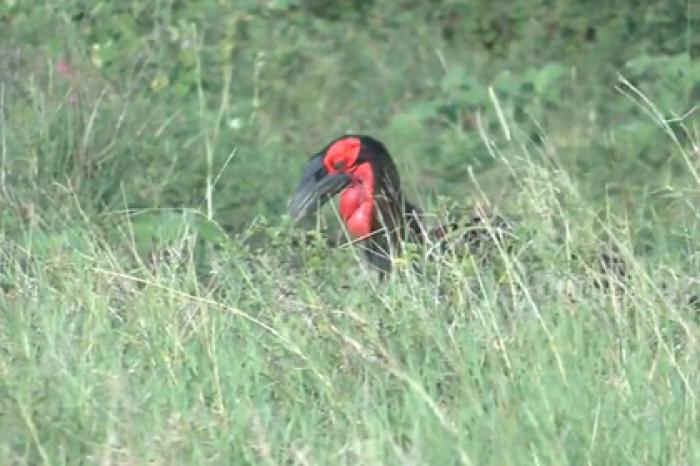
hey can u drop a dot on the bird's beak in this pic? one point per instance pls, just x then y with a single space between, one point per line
315 188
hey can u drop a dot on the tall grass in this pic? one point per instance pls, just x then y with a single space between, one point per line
280 353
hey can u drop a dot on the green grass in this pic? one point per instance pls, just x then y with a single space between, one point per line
156 307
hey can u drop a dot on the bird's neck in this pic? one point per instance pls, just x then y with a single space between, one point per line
357 202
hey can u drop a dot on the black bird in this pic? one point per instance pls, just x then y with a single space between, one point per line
372 205
374 209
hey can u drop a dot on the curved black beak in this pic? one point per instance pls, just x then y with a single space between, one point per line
315 188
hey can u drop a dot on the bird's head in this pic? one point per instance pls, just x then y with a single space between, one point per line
359 164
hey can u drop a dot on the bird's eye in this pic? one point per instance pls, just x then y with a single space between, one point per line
339 165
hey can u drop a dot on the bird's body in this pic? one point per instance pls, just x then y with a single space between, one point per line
372 205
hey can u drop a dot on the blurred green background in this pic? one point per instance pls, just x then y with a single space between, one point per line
136 103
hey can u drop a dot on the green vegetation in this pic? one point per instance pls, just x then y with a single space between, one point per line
157 307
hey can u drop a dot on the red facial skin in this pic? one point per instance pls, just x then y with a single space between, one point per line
357 200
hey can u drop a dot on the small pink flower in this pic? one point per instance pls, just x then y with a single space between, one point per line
63 68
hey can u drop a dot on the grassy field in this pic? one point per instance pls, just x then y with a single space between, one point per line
158 307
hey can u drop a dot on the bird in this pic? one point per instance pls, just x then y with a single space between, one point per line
372 205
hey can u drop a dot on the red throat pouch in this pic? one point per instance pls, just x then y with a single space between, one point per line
357 202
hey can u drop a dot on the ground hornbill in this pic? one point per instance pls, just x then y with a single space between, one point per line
372 205
379 218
